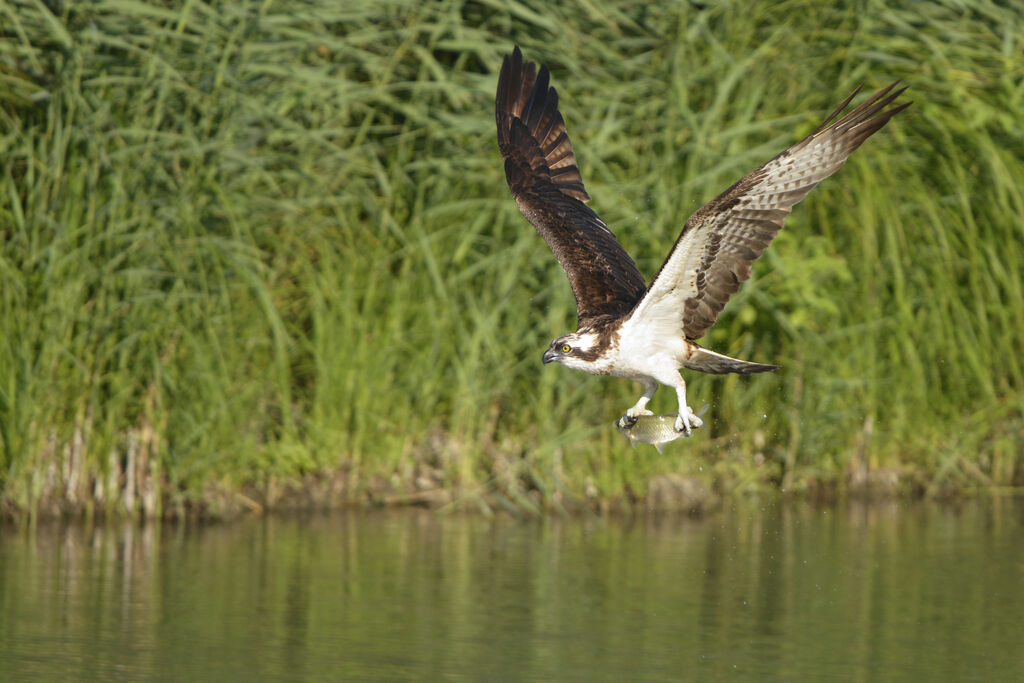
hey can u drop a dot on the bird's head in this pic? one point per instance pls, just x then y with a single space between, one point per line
576 350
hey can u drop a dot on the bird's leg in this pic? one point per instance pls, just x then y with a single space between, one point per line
629 419
686 419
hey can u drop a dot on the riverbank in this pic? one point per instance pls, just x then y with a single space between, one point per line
510 488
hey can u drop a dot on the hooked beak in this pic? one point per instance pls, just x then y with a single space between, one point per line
549 356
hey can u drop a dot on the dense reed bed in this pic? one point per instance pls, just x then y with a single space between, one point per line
255 254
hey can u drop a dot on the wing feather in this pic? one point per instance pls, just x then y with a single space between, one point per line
716 248
541 171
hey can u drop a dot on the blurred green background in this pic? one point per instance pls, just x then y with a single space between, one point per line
260 254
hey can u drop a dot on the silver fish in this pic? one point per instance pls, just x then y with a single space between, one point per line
658 430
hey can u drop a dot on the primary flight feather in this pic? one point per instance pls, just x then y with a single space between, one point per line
626 329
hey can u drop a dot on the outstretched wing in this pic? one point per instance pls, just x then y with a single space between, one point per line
721 240
541 171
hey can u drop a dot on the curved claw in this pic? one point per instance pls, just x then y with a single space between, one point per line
686 422
683 425
627 421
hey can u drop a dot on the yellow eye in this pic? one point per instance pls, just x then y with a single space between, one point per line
566 348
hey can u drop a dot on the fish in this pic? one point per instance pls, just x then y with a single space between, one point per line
658 430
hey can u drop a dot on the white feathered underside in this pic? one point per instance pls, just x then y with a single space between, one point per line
785 180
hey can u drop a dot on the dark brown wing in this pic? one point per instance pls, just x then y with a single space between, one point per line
721 240
541 171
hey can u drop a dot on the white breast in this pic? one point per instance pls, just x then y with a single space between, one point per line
647 349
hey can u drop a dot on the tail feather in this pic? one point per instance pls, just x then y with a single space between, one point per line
713 363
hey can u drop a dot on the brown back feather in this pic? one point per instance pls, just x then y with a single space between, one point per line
541 171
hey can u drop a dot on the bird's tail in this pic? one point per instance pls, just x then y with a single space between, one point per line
713 363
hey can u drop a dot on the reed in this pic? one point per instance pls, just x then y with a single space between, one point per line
246 247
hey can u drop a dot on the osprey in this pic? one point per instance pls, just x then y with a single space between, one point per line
625 328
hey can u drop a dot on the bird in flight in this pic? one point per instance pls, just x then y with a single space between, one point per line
625 328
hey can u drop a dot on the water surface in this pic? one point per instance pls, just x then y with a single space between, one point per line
784 592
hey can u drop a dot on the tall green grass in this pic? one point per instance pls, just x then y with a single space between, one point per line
245 247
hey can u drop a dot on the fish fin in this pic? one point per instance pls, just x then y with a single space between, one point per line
660 446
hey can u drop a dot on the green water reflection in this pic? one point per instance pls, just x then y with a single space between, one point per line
787 592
